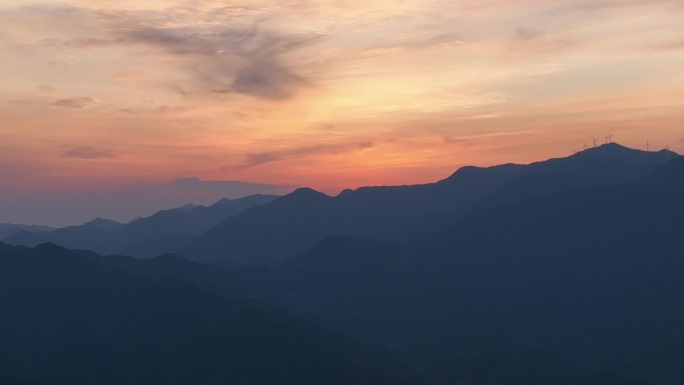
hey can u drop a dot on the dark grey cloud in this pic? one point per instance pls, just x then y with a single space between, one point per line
227 54
256 159
88 152
226 61
75 103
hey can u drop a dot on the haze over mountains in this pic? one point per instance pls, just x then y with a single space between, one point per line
78 204
567 271
273 231
144 237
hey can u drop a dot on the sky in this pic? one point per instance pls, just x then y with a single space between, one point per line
105 96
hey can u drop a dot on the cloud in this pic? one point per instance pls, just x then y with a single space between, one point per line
75 103
539 40
161 110
225 49
46 88
233 60
260 158
88 152
437 41
80 43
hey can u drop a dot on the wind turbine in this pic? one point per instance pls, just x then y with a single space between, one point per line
594 141
610 137
574 151
585 145
648 146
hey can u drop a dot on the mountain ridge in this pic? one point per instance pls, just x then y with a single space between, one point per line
275 231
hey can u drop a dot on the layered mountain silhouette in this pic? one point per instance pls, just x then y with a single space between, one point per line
593 273
104 224
567 271
68 320
294 223
579 285
276 229
147 237
9 229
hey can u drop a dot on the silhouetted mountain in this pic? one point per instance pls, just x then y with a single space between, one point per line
593 273
567 271
66 320
670 175
9 229
104 224
294 223
610 164
76 237
147 237
186 207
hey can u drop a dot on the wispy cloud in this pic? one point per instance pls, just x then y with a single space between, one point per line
75 103
256 159
225 60
89 152
529 42
189 85
47 88
226 50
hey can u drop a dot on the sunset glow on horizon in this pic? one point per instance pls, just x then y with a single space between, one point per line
110 94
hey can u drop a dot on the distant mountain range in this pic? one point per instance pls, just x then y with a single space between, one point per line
280 227
567 271
9 229
162 232
576 286
294 223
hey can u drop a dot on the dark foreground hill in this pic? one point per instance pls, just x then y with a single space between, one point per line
366 288
67 320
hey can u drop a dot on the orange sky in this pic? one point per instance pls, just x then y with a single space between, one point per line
107 94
